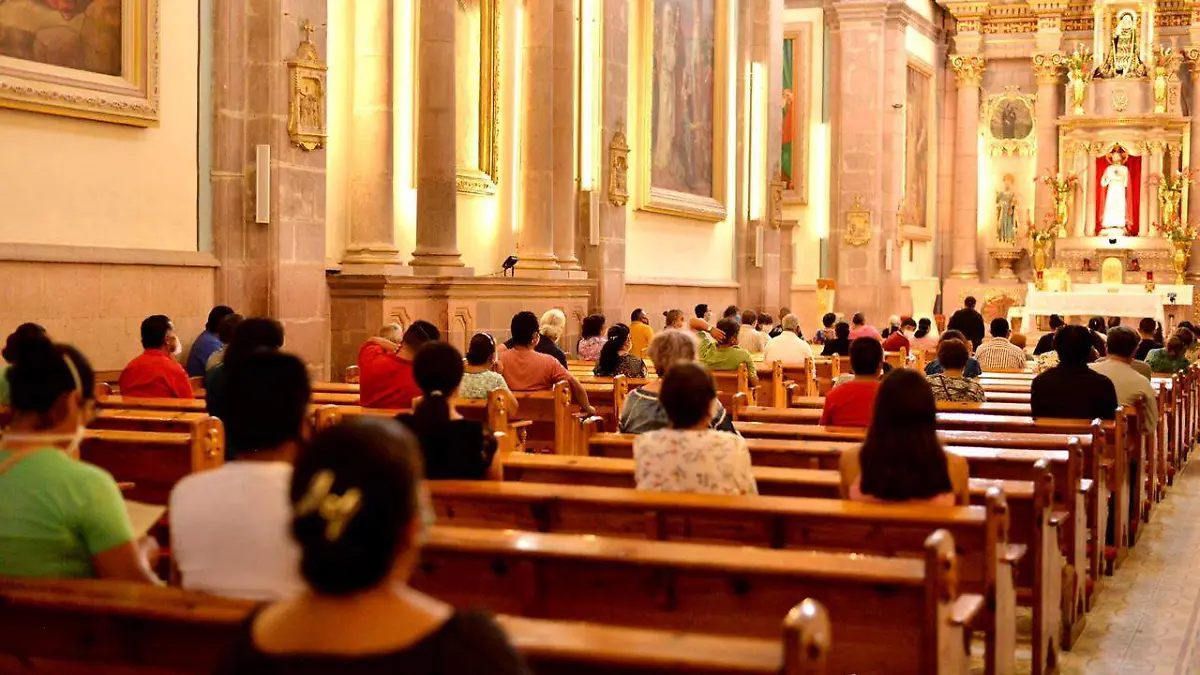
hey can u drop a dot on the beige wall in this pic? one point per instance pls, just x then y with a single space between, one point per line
83 183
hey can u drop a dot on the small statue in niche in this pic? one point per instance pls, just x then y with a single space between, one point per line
1087 265
1135 266
1123 59
1006 212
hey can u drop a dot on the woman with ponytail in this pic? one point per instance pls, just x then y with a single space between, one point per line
453 447
615 358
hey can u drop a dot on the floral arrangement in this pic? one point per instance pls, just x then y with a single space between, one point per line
1060 184
1178 232
1045 234
1079 64
1174 181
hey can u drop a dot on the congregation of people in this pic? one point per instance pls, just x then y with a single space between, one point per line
329 526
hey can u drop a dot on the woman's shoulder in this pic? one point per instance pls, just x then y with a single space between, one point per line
472 642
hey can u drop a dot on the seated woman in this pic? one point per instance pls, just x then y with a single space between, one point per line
673 319
452 447
615 358
480 376
689 456
901 459
950 385
643 410
923 339
249 336
550 327
591 337
26 332
359 516
1170 359
839 345
60 518
971 371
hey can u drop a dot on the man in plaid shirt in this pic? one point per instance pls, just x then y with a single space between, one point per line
997 353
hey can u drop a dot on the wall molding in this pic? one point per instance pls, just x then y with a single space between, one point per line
689 283
91 255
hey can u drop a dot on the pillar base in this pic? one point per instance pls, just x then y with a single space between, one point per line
971 274
441 271
375 269
538 273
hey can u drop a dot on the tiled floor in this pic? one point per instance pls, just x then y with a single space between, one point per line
1147 619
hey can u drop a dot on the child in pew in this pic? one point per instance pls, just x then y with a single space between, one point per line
229 525
60 518
643 410
359 516
689 456
901 459
453 448
480 376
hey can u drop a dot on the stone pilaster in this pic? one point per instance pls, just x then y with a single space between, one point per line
535 229
965 235
437 252
371 240
566 209
1046 71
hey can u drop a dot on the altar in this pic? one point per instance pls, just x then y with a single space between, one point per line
1127 301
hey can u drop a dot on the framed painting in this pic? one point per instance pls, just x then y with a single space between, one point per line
93 59
681 152
477 88
797 56
918 121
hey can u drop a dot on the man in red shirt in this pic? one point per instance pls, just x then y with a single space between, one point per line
852 404
385 371
156 373
527 370
898 339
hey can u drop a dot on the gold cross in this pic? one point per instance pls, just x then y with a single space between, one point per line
308 29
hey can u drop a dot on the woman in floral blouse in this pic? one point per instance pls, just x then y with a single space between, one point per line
950 385
615 358
689 456
591 338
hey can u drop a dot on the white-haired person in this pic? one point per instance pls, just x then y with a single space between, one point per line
551 327
788 347
642 411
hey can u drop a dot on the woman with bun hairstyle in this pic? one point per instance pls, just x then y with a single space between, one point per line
60 518
359 516
24 334
481 375
452 447
616 357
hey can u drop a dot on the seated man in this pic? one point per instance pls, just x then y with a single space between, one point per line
725 354
156 373
1071 389
385 375
899 339
852 404
207 343
997 353
526 369
749 337
1045 343
231 526
1148 332
1120 367
787 347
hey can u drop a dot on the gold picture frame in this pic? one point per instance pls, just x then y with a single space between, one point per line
1010 123
306 106
858 224
920 142
660 199
484 175
129 97
801 37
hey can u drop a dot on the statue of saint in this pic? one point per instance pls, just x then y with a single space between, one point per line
1006 212
1123 59
1115 182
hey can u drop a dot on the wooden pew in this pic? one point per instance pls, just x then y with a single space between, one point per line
154 461
714 589
980 533
730 383
89 627
826 369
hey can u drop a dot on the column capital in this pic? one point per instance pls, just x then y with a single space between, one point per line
1046 67
968 68
1192 56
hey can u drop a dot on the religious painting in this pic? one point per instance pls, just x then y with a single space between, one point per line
1009 123
797 45
95 59
477 91
917 111
683 101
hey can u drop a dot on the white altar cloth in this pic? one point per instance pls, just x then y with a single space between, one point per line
1128 301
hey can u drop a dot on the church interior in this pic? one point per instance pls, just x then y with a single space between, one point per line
338 166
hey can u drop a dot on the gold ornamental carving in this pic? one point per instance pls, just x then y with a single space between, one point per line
858 224
618 167
1120 100
778 185
306 108
1046 66
968 68
1010 123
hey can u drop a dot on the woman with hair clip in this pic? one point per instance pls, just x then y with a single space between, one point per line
615 358
453 447
60 518
901 459
480 377
360 515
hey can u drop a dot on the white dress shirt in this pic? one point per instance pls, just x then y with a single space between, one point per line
788 348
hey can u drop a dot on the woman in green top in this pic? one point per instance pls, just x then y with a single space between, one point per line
25 333
1170 359
60 517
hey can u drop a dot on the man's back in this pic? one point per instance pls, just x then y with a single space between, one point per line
230 532
154 374
787 348
970 323
527 370
385 379
1129 384
1073 392
1000 354
851 404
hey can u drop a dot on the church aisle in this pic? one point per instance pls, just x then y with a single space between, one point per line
1148 615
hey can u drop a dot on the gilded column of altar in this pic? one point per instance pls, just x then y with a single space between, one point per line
437 190
1193 214
1155 151
371 241
565 210
965 234
1046 72
535 236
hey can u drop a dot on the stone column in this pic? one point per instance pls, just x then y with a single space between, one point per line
535 235
371 235
566 209
965 234
1046 71
437 194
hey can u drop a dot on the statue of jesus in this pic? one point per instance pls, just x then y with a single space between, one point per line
1115 181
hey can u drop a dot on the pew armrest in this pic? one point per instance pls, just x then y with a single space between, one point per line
1015 552
521 424
1085 486
1057 518
965 609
